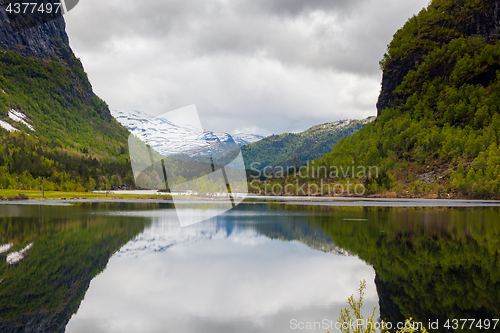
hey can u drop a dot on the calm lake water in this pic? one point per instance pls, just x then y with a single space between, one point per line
114 267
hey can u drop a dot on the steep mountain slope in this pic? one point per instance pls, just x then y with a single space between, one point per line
52 123
295 149
439 122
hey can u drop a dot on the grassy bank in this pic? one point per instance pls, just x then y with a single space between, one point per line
33 194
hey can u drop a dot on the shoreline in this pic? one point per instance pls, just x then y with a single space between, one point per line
252 200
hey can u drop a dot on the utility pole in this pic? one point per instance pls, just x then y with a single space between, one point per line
43 187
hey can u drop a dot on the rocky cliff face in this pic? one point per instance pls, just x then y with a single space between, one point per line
483 21
46 41
44 38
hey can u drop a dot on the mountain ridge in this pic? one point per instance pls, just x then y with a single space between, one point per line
168 138
295 149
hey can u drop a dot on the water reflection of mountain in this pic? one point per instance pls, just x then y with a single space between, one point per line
302 232
430 263
221 275
164 232
71 245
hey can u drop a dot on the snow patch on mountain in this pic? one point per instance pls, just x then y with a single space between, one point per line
5 125
339 125
242 139
20 117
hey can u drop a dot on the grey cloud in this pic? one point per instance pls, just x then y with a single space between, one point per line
213 28
299 7
332 40
272 65
101 23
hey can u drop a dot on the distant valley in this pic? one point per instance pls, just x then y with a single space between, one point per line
295 149
284 150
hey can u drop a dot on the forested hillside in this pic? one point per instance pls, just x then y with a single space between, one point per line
295 149
438 128
52 124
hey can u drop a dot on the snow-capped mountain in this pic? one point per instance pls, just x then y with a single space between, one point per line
242 139
167 138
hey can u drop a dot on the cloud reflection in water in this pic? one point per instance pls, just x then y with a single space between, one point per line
217 277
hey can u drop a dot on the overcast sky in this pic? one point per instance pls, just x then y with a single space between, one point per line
252 66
